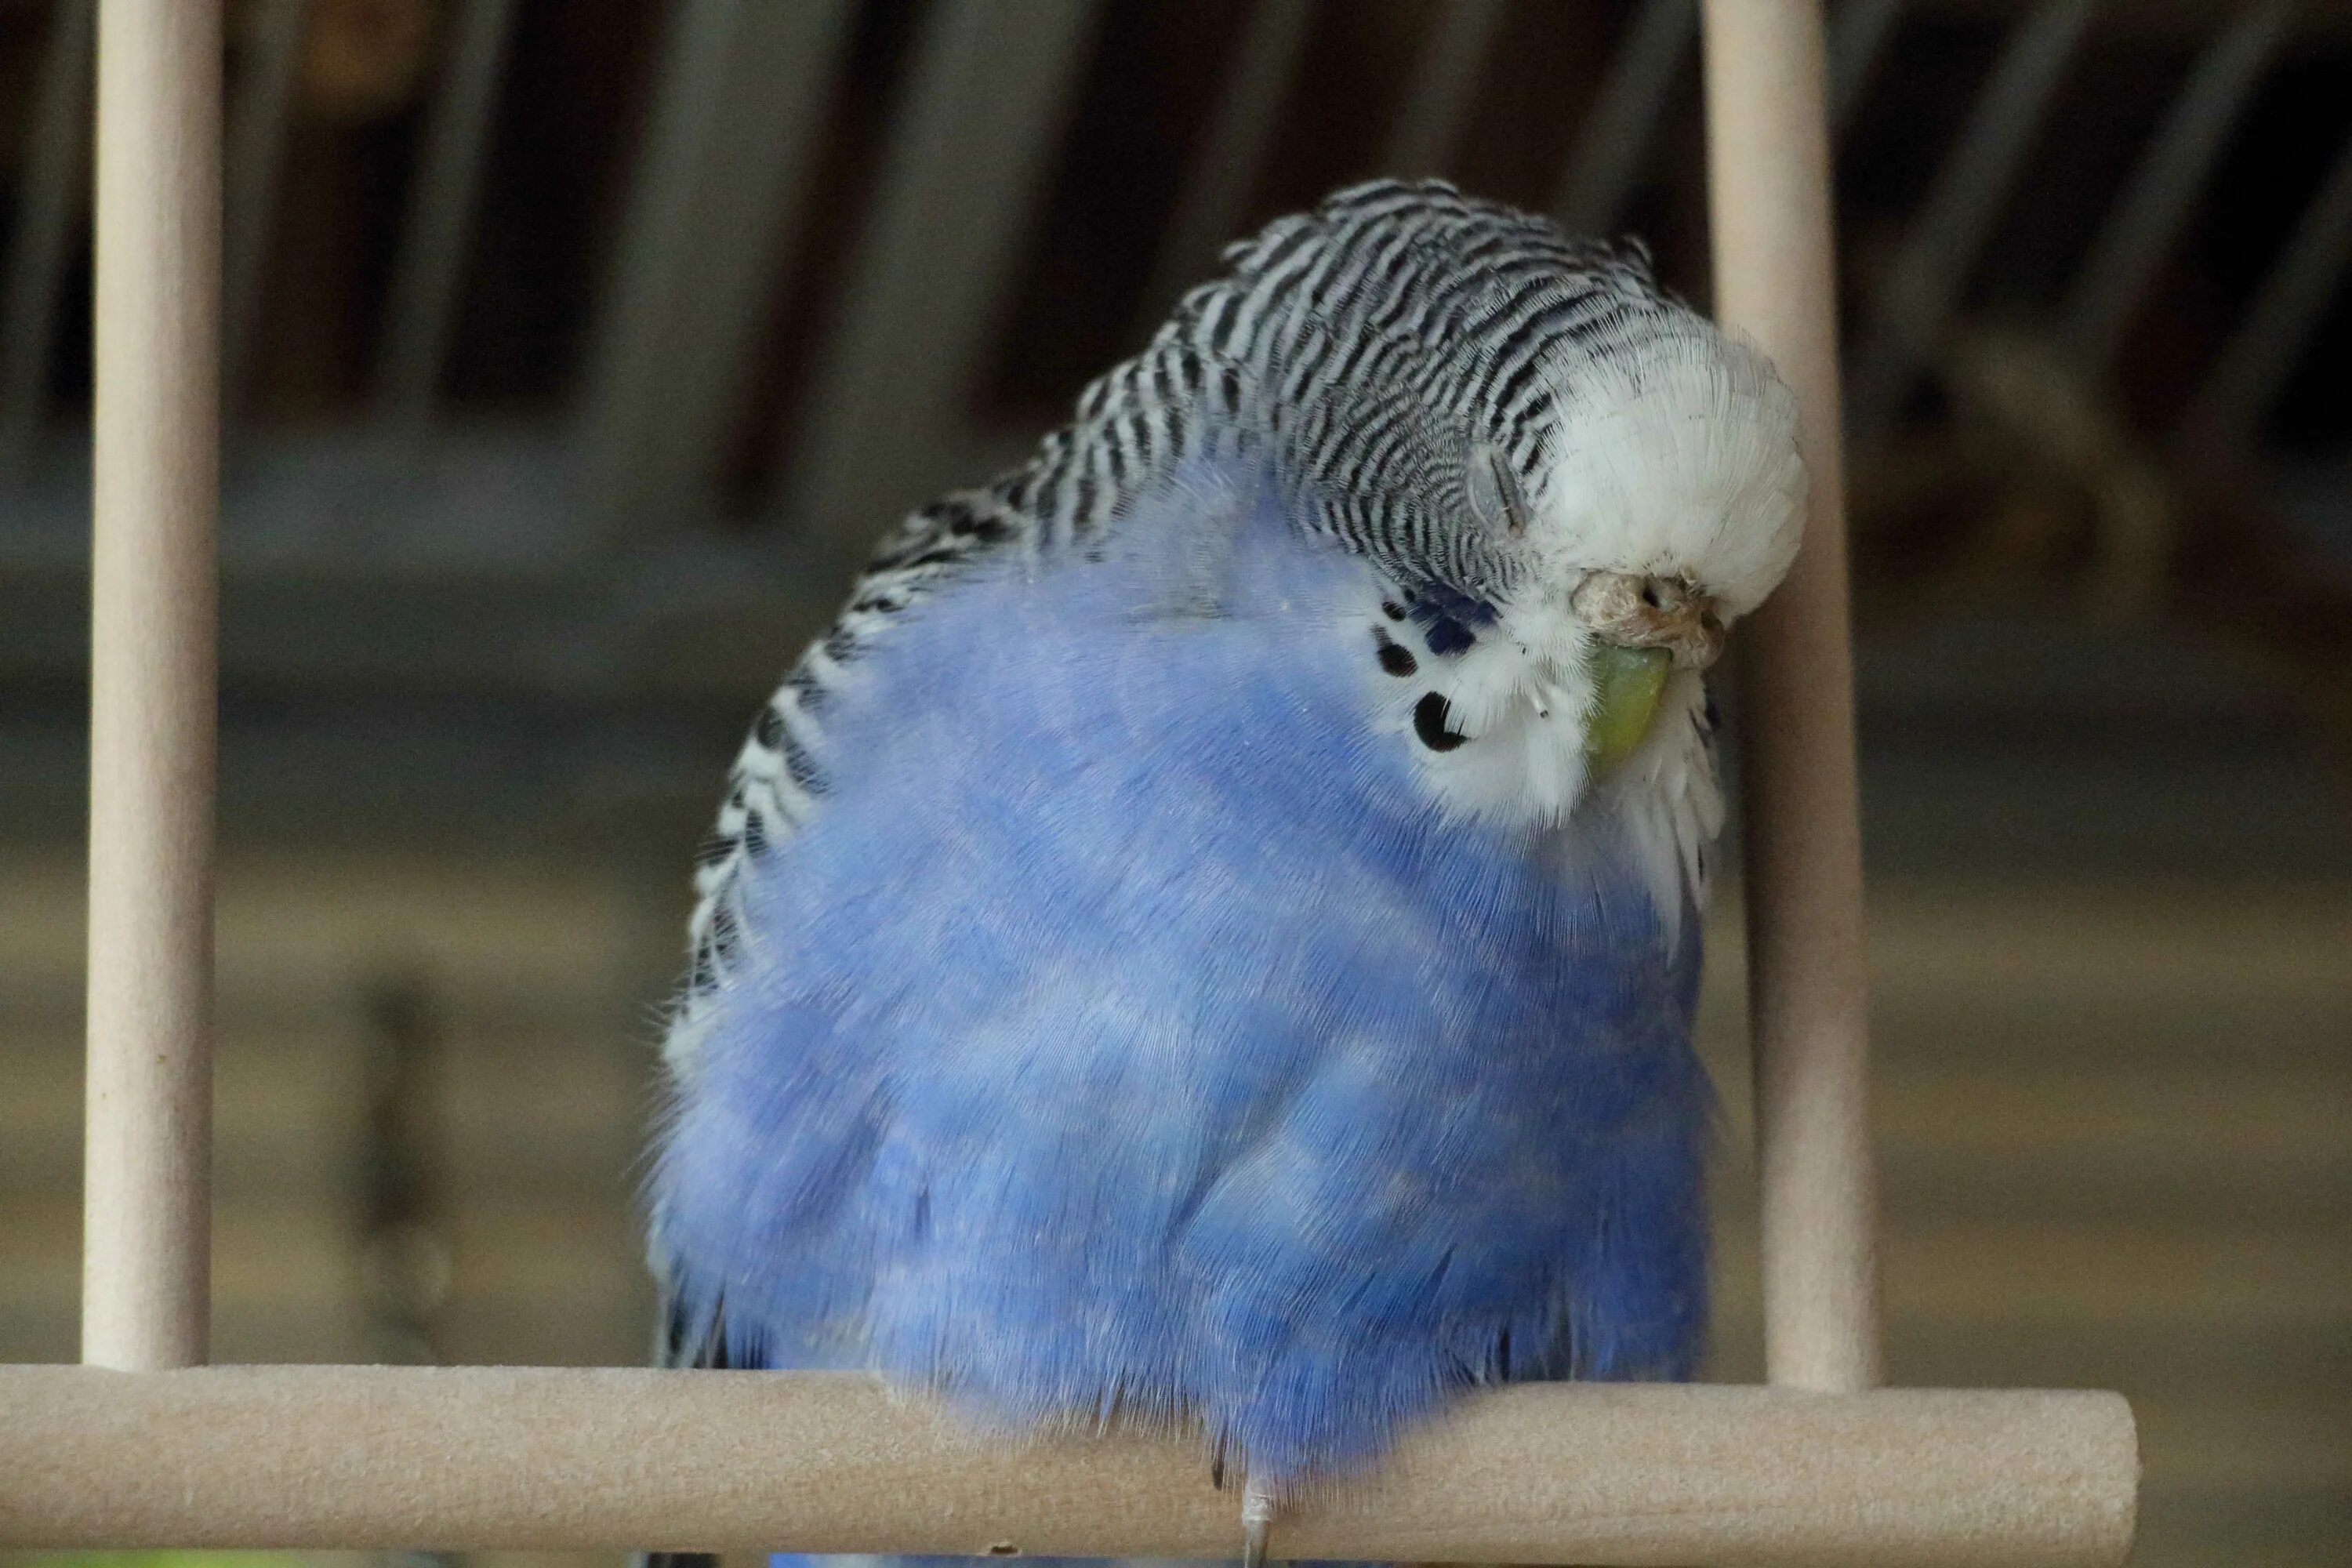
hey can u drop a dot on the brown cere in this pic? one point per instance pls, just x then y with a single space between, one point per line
1651 612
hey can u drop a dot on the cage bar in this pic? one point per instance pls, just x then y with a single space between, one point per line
1230 150
56 154
2174 167
1911 306
423 303
2268 343
1857 39
146 1205
1617 134
1462 34
715 204
1769 209
254 155
460 1458
975 134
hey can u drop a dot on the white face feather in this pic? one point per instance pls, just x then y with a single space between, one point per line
1677 463
1676 460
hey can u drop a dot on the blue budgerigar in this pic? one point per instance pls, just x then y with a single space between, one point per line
1210 937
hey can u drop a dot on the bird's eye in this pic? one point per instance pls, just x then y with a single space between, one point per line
1495 498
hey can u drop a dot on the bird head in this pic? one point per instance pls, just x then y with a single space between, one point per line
1573 483
1668 503
1606 546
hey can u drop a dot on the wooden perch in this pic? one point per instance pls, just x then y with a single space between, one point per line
495 1457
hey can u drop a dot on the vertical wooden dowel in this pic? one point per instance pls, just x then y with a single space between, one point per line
146 1212
1768 204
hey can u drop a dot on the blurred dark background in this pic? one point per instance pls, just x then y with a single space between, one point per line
577 349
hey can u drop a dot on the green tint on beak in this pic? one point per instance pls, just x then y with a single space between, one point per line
1626 684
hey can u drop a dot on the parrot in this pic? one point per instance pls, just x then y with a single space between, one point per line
1208 939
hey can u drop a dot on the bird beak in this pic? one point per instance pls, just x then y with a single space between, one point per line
1626 685
1644 628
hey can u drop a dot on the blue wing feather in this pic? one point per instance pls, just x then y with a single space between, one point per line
1131 1035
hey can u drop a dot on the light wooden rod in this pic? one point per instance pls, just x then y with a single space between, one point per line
155 439
510 1457
1769 209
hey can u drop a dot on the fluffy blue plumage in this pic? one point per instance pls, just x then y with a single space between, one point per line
1132 1032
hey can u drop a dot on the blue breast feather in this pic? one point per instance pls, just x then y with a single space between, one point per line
1130 1036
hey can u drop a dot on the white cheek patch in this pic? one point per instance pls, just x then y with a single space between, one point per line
1522 719
1495 727
1497 731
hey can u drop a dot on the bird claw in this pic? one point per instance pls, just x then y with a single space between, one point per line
1257 1517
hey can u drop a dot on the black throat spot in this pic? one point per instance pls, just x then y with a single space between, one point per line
1429 717
1396 659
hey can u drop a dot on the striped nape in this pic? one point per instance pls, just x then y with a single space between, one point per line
1364 351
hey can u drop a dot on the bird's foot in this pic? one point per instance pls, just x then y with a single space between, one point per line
1257 1517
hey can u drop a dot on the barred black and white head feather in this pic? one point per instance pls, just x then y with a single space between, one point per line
1521 430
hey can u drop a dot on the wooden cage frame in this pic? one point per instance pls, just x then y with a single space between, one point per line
143 1445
